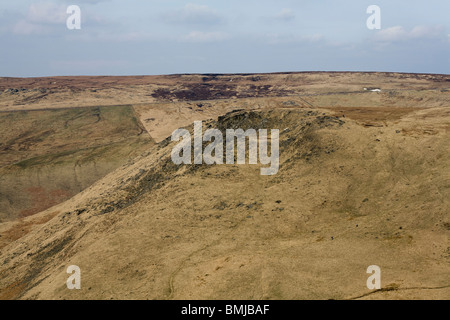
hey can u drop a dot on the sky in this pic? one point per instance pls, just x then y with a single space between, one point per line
149 37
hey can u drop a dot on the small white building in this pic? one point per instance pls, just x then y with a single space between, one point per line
372 89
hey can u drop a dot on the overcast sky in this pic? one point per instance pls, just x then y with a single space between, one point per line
140 37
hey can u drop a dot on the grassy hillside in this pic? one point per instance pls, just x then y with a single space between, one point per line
347 196
47 156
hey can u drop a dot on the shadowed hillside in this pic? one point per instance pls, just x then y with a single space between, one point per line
47 156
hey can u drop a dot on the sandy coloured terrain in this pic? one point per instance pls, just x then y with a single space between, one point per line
87 180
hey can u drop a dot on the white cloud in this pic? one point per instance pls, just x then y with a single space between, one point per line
91 1
285 15
40 18
277 38
193 14
24 27
427 32
47 12
199 36
44 17
399 34
392 34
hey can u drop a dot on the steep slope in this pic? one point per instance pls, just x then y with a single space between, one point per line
347 195
47 156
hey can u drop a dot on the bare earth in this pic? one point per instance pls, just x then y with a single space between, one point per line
86 179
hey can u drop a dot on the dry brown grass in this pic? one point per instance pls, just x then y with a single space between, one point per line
368 188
